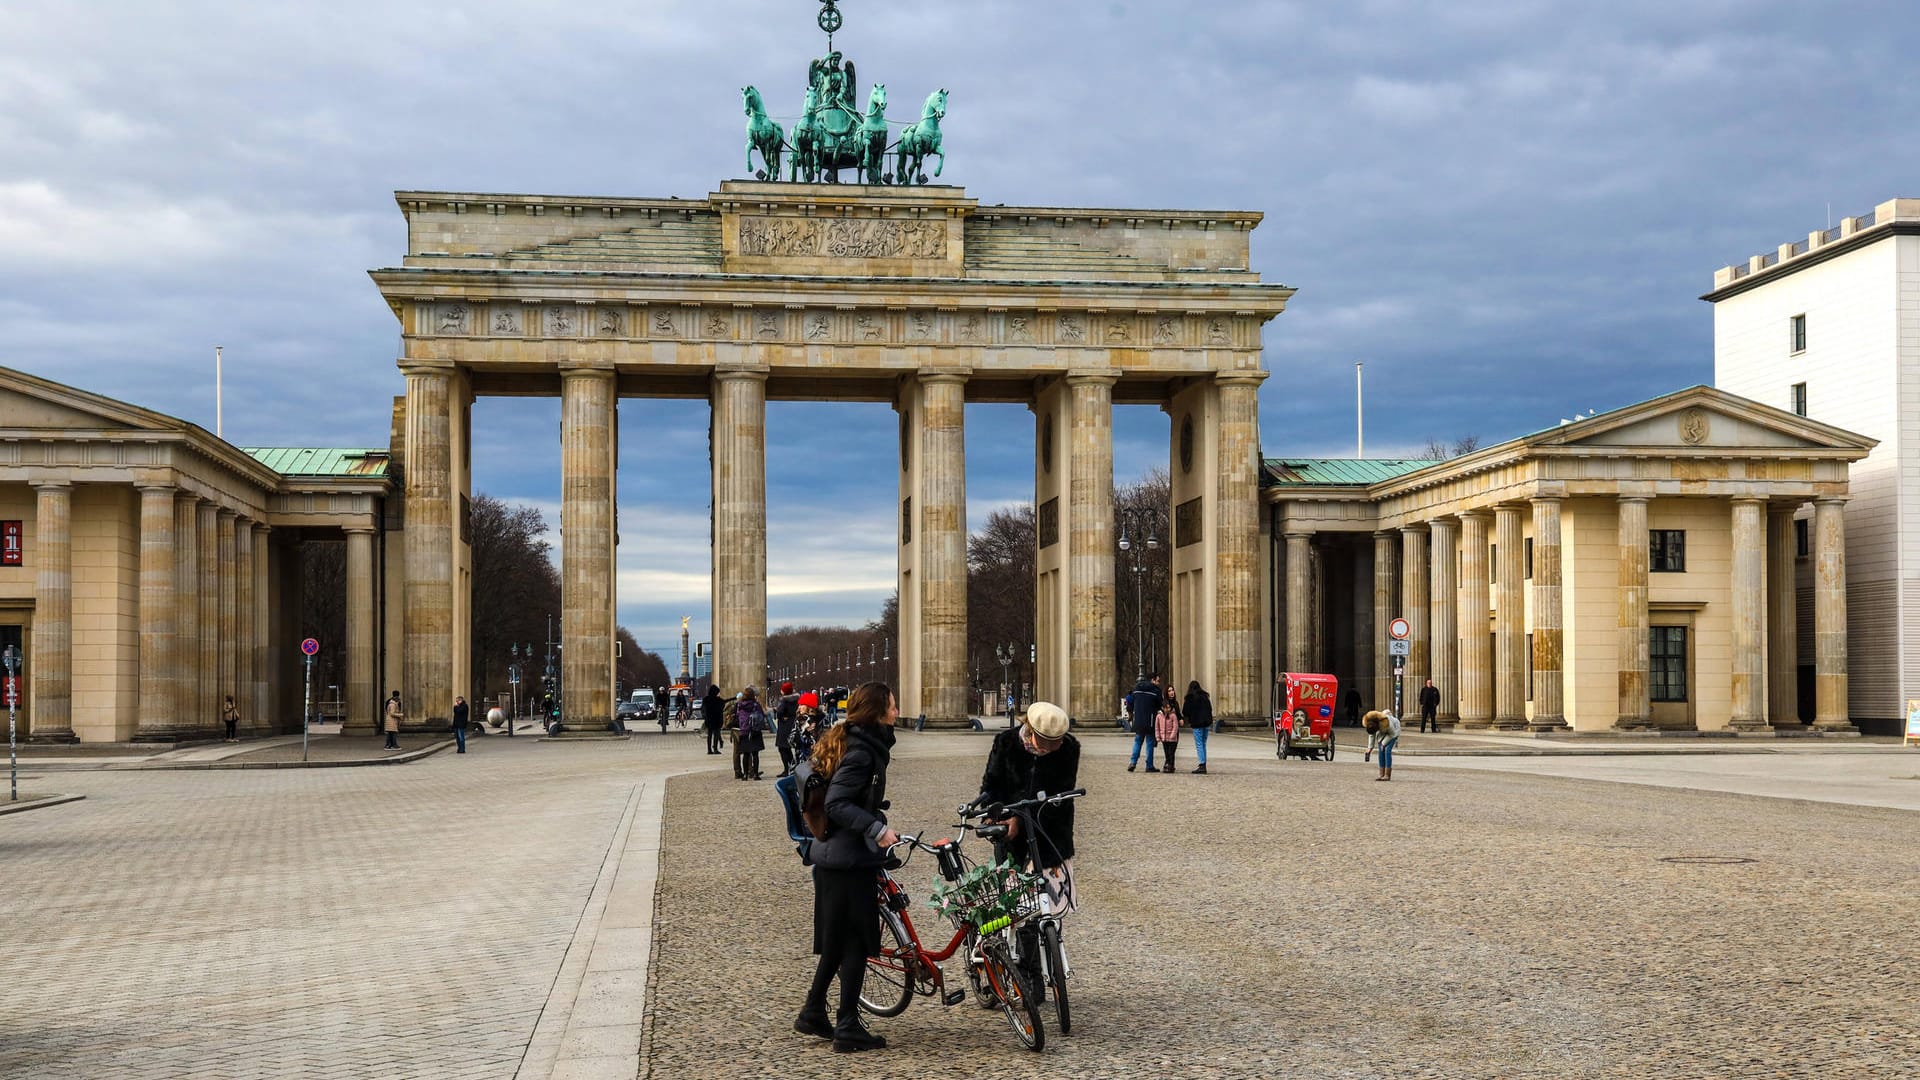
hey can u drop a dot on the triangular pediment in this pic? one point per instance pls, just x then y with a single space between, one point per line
1701 419
28 402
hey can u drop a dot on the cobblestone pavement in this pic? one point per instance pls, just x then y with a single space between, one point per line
1269 920
310 922
1300 920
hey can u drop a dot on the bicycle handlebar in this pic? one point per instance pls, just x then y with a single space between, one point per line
997 810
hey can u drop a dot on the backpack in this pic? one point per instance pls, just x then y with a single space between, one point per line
810 793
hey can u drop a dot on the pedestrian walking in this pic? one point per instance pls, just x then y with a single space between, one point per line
807 726
1166 732
786 714
1143 705
1383 734
846 906
390 721
711 707
232 717
1429 707
1199 710
750 718
460 724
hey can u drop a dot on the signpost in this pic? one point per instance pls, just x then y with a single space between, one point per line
12 660
1399 648
309 647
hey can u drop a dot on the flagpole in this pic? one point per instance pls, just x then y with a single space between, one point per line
219 405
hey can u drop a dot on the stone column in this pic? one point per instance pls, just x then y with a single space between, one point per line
206 717
1237 691
1476 661
1509 621
1415 592
264 642
159 575
1549 691
245 646
1443 540
1830 616
229 622
1096 684
739 528
427 624
1783 639
586 547
1632 648
360 633
1749 611
1386 596
186 618
1300 583
943 552
51 670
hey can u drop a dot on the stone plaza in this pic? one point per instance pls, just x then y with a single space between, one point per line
567 910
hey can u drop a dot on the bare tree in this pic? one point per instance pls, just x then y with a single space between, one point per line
1000 593
638 667
1437 449
1149 500
521 588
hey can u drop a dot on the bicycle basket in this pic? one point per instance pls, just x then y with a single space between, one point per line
1001 893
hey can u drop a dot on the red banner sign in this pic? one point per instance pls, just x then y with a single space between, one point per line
11 553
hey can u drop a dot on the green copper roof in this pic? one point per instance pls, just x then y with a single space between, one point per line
320 461
1338 472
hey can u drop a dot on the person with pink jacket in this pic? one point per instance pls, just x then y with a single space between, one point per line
1166 731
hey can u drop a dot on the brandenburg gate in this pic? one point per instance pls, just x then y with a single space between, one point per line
915 296
892 290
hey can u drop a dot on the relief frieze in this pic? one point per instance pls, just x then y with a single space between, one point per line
846 238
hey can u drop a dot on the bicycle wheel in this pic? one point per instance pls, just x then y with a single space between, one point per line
888 987
1023 1013
1057 974
983 994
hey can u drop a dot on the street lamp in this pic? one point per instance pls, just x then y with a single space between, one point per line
1006 654
1135 520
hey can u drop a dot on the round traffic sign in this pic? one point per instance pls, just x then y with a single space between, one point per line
310 646
1398 629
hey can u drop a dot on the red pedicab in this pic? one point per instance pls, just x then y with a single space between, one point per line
1304 725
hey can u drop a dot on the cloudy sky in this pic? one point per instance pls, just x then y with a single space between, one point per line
1506 208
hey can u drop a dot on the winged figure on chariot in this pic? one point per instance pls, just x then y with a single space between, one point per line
833 135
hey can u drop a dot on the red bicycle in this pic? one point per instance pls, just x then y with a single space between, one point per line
905 966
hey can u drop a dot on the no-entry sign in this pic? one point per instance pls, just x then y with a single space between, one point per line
1398 629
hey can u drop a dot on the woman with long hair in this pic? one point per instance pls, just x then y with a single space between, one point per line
846 906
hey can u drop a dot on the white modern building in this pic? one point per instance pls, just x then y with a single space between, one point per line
1829 327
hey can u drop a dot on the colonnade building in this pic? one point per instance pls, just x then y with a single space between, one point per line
1635 570
150 569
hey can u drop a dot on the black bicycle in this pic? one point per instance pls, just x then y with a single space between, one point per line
1039 945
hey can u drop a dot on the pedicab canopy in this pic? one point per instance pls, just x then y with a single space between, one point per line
1317 695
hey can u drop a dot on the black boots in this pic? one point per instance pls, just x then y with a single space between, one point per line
814 1024
1200 769
850 1036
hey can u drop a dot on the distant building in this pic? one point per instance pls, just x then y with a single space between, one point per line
1829 327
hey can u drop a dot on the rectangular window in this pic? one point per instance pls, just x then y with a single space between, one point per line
1798 334
1798 399
1529 666
1529 548
1668 551
1800 544
1667 681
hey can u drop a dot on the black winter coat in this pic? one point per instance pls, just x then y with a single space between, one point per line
1143 703
857 802
710 709
1199 709
1014 773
